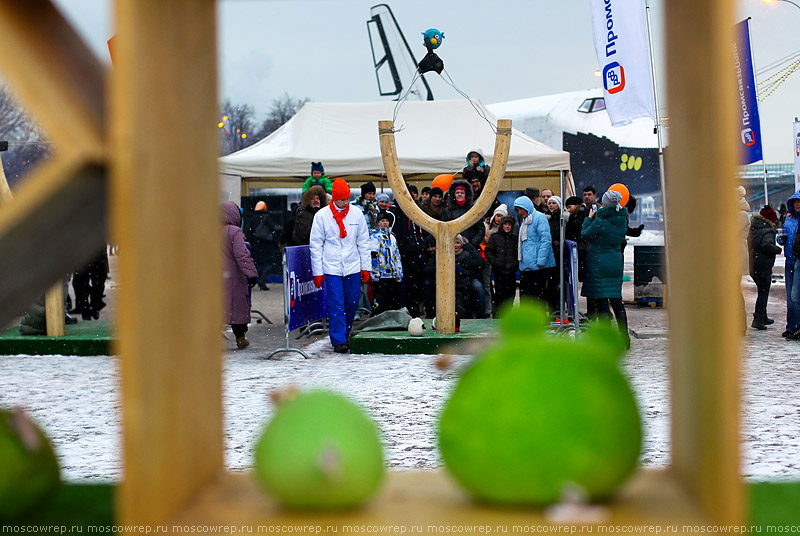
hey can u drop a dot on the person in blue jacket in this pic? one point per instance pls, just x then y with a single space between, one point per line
786 239
534 251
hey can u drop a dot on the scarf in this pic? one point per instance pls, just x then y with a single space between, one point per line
339 216
523 234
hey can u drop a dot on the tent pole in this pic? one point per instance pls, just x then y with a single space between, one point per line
659 132
559 262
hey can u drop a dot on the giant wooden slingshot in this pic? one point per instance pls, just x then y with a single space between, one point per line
445 232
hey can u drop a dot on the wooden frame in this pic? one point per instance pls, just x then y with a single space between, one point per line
168 325
62 84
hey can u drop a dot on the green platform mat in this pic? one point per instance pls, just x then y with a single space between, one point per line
92 337
400 342
74 505
775 504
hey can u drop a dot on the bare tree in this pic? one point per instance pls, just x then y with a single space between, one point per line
282 110
236 127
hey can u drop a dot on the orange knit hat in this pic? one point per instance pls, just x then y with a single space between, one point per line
261 206
341 190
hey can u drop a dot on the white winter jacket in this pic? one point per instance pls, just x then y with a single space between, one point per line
333 255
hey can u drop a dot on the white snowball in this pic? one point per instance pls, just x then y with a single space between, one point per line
416 328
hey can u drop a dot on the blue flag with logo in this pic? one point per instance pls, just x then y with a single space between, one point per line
623 55
749 125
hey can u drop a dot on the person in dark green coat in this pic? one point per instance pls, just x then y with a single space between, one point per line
602 283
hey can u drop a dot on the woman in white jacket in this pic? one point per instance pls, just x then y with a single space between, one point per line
340 256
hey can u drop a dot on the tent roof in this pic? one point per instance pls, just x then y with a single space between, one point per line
433 137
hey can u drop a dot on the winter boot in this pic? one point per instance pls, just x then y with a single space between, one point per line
769 321
794 336
622 321
242 342
758 323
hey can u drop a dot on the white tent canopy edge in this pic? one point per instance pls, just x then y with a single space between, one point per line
431 137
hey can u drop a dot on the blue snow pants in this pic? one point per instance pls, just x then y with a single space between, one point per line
341 294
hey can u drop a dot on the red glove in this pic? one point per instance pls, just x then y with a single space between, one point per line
318 279
365 275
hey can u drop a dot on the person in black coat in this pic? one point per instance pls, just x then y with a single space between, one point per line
501 252
469 290
429 276
633 231
577 213
411 243
263 247
554 215
89 284
459 200
572 231
313 199
762 247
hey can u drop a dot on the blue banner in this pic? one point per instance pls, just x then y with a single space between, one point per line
749 126
306 303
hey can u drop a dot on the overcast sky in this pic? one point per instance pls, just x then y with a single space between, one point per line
494 51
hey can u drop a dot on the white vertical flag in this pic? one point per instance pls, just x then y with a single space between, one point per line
623 54
796 155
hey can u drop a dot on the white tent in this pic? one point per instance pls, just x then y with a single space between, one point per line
431 137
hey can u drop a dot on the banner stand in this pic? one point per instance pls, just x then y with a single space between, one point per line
287 349
313 328
576 313
571 297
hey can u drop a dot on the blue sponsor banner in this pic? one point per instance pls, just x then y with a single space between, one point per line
749 126
306 303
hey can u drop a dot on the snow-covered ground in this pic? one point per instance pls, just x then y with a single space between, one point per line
76 399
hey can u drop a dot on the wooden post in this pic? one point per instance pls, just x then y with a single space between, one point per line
445 232
5 191
706 305
54 310
167 221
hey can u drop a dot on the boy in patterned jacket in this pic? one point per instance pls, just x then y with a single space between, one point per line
387 269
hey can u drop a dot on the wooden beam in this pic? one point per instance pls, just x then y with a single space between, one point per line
50 68
167 222
433 501
706 313
60 209
445 232
54 310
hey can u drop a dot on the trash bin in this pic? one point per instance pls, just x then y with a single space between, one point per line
649 274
